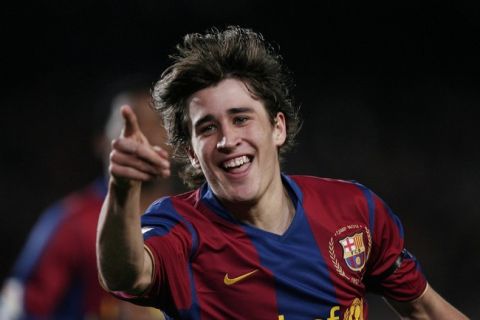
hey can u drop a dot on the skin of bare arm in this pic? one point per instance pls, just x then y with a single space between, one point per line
428 306
123 263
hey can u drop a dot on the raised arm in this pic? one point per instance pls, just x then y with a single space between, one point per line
124 264
429 306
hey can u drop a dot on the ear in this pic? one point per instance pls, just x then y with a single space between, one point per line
193 158
279 129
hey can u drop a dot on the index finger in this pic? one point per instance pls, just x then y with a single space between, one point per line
131 123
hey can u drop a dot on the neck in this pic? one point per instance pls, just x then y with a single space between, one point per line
153 190
273 212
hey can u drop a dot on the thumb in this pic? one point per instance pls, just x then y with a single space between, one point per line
131 127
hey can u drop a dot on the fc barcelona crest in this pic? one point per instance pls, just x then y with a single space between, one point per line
354 251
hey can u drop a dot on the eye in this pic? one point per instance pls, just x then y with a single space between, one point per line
207 129
239 120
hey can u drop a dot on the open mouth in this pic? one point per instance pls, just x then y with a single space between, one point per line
236 163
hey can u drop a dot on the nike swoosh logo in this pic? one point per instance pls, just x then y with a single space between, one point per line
229 281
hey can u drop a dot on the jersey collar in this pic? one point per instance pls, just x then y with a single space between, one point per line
208 197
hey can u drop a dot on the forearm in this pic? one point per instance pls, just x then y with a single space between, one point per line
120 251
123 263
429 306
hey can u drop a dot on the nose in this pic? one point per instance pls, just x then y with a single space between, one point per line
228 140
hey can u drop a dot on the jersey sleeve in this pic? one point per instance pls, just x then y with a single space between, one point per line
392 271
170 240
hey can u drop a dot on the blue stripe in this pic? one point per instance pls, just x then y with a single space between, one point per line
371 206
211 201
43 230
293 189
72 305
371 210
38 240
395 219
163 216
100 185
194 311
302 280
194 239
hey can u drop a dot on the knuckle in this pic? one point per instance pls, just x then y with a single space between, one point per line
114 169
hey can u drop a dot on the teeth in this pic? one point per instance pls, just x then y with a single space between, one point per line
237 162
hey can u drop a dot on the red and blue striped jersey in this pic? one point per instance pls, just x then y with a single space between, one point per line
342 242
55 276
57 268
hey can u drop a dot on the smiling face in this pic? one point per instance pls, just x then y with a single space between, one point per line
234 142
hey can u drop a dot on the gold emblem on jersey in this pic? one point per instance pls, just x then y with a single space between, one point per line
355 311
229 281
355 253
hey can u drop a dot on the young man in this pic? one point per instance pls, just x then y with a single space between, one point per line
251 242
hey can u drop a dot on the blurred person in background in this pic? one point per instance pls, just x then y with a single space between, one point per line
55 276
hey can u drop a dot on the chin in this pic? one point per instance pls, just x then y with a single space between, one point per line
242 190
241 194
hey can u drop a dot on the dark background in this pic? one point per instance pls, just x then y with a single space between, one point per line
389 94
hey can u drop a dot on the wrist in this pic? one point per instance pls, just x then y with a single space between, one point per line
124 190
124 185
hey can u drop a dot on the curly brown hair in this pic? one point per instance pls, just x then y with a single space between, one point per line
203 60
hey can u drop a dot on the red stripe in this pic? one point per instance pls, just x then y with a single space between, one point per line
225 248
329 206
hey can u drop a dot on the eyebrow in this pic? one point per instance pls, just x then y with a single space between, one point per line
231 111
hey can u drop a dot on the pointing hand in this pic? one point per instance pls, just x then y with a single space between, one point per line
132 157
